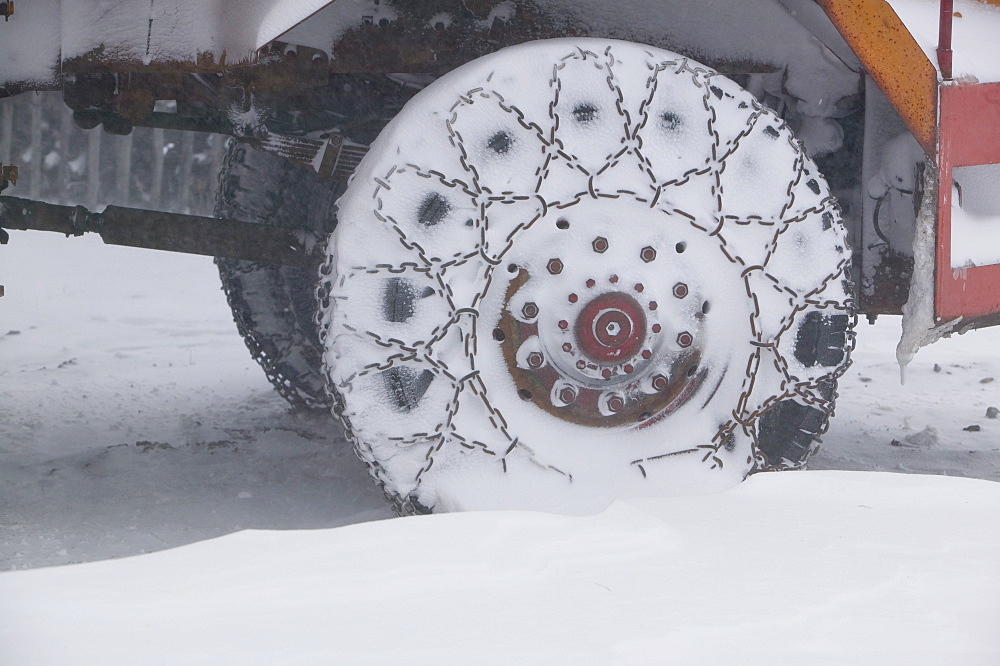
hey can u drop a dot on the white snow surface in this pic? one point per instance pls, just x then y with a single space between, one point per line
796 567
975 216
41 31
669 155
792 567
975 38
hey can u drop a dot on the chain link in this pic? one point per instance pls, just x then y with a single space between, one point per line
817 392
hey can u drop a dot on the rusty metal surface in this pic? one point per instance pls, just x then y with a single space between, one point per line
157 230
894 60
970 135
8 174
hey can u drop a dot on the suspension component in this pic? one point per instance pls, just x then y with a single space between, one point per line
157 230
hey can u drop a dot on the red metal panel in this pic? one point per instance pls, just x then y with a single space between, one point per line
969 136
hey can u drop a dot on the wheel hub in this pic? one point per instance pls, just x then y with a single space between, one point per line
611 328
602 332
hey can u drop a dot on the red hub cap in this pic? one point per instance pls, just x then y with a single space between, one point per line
611 328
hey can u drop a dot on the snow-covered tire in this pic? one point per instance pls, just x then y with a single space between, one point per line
576 270
275 306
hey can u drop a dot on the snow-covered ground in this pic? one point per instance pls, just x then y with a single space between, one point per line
134 421
855 569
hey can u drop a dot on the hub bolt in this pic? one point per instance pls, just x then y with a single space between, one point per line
567 394
647 254
684 339
629 369
600 244
613 279
535 359
680 290
563 324
573 298
616 403
591 283
567 347
639 288
555 266
660 382
581 364
530 310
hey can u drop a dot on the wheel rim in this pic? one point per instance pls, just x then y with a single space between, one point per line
594 294
620 339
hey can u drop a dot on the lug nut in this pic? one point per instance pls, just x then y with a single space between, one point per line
684 339
660 382
535 360
530 310
567 347
555 266
680 290
647 254
616 403
657 328
639 288
629 369
613 279
646 354
573 298
567 394
581 365
606 373
563 324
591 283
600 244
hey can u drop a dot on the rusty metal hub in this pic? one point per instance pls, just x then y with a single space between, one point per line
611 328
607 339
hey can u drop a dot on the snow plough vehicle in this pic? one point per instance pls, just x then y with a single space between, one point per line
536 253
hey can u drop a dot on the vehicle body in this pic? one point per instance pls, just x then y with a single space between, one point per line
907 136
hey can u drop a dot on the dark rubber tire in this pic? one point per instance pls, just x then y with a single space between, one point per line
275 306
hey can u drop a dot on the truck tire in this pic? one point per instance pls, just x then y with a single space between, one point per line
578 270
275 306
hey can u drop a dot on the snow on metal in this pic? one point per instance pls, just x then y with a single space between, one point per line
975 38
43 31
513 195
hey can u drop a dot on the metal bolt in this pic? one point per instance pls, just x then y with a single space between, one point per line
629 369
653 305
647 253
591 283
606 373
639 288
573 298
600 244
581 364
613 279
567 394
535 360
684 339
660 382
530 310
563 324
646 354
657 328
555 266
680 290
567 347
616 403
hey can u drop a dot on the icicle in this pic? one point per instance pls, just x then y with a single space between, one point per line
919 328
